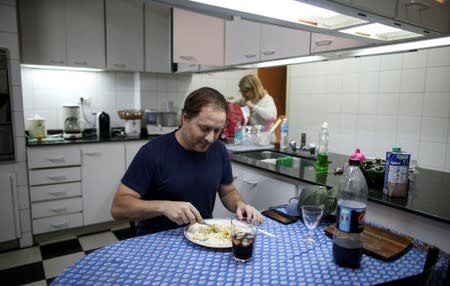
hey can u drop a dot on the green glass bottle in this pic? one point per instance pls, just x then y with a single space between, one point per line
322 152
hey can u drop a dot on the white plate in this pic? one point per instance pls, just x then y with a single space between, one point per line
211 241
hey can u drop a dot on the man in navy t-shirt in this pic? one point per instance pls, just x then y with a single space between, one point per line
173 179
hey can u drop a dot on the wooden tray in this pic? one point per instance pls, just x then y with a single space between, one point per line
380 243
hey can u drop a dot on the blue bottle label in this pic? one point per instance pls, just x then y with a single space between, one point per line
350 218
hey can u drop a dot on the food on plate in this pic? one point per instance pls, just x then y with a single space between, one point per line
212 235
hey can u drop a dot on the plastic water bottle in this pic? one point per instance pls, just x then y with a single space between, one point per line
322 152
350 217
284 134
238 132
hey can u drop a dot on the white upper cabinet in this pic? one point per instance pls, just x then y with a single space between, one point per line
86 33
158 38
325 43
63 33
124 35
43 32
247 42
426 13
280 42
197 39
242 41
380 7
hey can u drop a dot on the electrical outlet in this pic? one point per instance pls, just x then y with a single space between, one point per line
84 100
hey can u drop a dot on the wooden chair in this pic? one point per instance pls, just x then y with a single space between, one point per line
421 278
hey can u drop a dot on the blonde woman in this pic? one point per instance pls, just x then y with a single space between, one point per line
261 104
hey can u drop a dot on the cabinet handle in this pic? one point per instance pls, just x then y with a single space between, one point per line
57 177
249 56
250 182
92 153
420 5
269 53
59 210
59 62
120 65
55 159
58 193
323 43
59 225
187 58
80 63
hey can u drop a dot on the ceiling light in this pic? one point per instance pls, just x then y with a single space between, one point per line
60 68
288 10
381 32
291 61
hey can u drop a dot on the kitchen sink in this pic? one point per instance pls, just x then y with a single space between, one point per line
272 156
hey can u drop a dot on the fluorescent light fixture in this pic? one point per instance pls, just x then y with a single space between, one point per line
288 10
60 68
380 32
402 47
291 61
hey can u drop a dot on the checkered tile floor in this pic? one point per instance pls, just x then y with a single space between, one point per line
39 265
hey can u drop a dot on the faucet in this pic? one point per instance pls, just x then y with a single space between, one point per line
311 148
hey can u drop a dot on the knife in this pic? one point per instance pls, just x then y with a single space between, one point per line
267 233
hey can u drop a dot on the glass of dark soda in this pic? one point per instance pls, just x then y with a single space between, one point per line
243 235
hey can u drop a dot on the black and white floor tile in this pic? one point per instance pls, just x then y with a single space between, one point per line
39 265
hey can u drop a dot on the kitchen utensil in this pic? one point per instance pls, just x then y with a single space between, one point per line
275 125
36 127
72 126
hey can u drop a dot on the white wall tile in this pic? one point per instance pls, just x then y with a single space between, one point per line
390 81
390 62
410 104
408 128
437 79
432 155
416 59
437 104
439 57
412 80
369 63
367 103
369 82
387 103
434 129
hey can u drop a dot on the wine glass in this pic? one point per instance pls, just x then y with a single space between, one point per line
311 217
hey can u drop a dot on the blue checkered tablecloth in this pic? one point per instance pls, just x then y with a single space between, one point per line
168 258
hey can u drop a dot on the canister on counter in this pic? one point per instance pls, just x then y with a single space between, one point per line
396 173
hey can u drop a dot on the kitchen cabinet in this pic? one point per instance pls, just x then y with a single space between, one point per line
55 188
280 42
425 13
325 43
131 149
247 41
102 168
259 189
158 38
9 210
124 35
63 33
380 7
242 41
197 38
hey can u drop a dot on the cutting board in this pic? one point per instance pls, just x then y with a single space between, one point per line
380 243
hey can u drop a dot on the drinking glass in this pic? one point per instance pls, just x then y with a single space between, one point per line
311 217
243 236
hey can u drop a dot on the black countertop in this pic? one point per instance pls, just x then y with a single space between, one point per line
428 195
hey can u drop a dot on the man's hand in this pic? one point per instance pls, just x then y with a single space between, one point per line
252 214
181 212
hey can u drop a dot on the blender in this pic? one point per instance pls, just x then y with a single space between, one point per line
72 129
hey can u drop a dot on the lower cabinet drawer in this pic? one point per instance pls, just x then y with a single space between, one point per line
56 207
57 191
57 223
54 176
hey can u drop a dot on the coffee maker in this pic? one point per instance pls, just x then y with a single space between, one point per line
72 128
102 125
